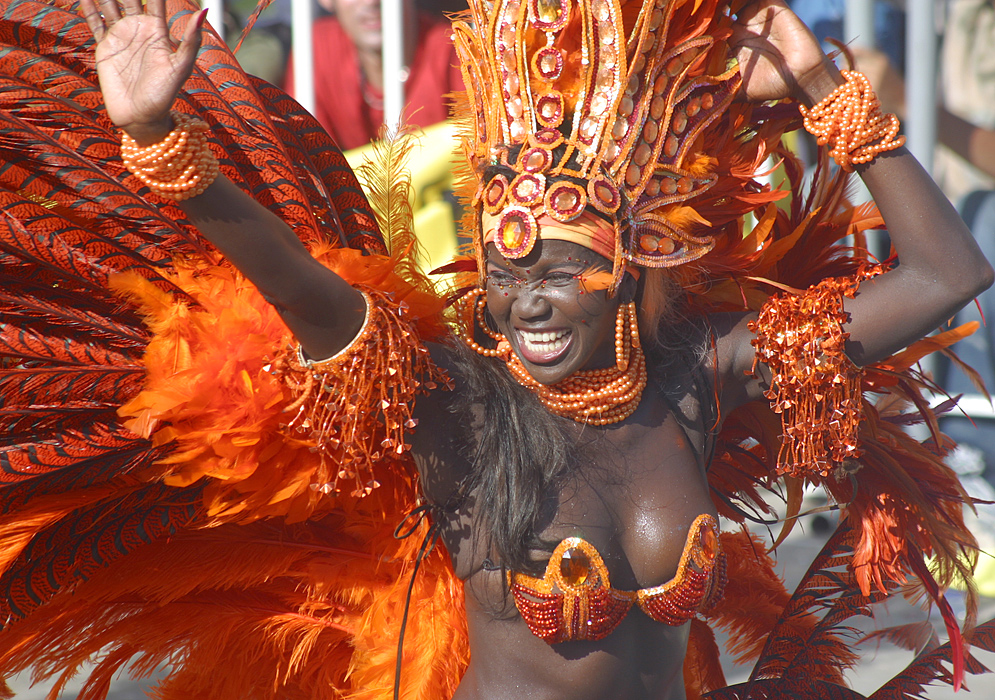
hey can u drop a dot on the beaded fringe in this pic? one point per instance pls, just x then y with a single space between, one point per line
851 123
816 388
356 406
180 166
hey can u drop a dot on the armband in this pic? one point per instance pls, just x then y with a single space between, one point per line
356 405
816 388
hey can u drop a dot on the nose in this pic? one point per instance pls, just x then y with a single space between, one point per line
530 302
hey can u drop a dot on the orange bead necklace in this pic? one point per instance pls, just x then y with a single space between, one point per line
593 397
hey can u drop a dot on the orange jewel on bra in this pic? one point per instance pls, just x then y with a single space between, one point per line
575 566
709 543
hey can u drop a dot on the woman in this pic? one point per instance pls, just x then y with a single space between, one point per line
610 471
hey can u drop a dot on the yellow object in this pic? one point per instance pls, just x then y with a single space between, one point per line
430 161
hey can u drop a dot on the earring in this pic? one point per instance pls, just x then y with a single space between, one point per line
625 319
480 306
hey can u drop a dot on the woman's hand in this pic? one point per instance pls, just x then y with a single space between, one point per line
779 57
140 69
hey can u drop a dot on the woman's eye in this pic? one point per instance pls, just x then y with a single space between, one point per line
502 278
560 279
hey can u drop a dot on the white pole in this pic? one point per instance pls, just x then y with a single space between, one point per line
920 83
858 23
216 15
394 72
303 50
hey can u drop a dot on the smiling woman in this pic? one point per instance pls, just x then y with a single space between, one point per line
538 303
219 464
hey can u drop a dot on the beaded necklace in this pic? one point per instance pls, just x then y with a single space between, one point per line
593 397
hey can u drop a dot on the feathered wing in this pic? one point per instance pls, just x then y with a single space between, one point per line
153 510
901 523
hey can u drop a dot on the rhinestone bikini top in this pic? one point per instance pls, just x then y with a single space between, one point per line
575 600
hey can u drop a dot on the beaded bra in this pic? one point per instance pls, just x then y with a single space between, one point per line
574 599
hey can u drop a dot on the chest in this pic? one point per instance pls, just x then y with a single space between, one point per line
633 495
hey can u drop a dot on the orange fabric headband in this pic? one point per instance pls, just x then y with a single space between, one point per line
587 230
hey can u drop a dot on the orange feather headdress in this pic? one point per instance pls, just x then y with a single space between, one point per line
611 106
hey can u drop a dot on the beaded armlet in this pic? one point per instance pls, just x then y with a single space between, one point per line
356 405
816 388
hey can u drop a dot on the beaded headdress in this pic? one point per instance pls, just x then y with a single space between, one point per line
597 104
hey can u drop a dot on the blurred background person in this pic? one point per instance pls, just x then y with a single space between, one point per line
348 69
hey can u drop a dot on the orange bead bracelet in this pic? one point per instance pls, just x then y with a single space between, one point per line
180 166
851 123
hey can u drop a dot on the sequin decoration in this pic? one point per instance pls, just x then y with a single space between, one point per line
816 389
517 233
357 405
575 600
565 201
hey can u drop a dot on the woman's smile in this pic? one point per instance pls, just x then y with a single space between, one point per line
539 304
543 347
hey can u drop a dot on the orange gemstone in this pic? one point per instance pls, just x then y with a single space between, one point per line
535 161
667 246
669 185
619 128
548 63
575 566
653 188
670 146
549 10
566 200
513 233
604 193
684 185
650 131
657 107
649 243
709 543
679 122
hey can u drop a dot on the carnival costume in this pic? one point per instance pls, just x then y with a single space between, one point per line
179 485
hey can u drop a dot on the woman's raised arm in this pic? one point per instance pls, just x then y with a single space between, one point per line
141 72
940 266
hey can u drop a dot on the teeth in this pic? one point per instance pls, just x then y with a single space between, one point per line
544 342
530 337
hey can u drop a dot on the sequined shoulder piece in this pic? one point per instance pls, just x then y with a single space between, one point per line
575 600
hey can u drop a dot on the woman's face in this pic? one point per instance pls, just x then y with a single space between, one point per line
537 302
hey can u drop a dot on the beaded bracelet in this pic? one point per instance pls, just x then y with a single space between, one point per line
180 166
851 122
356 407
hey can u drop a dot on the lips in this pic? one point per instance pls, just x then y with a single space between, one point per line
542 347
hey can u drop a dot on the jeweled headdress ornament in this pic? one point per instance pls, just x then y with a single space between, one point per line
601 104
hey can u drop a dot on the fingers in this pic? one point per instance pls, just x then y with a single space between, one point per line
131 7
93 18
192 36
110 11
156 8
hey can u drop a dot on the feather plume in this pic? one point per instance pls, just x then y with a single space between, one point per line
386 180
